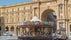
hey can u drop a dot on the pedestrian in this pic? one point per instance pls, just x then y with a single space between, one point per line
50 36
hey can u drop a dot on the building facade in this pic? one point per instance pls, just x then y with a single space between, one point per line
12 15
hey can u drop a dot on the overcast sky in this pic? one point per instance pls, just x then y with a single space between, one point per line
7 2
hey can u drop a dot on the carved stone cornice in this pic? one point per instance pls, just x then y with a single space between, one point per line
66 0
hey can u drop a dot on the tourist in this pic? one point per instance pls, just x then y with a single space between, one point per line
49 36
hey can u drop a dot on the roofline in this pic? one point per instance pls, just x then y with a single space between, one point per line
19 4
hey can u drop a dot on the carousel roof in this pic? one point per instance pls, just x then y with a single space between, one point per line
35 19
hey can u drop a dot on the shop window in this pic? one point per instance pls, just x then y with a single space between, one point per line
12 28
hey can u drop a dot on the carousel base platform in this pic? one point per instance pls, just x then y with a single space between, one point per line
37 38
33 38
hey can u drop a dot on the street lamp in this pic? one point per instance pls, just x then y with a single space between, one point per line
61 16
60 6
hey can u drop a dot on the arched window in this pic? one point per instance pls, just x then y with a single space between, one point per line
12 28
7 28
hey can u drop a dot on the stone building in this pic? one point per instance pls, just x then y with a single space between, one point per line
11 15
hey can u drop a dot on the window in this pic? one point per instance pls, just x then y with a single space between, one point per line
18 14
70 28
36 11
27 7
31 9
30 17
18 9
18 18
12 28
12 14
24 13
7 20
12 10
7 10
0 11
12 20
17 27
0 20
24 19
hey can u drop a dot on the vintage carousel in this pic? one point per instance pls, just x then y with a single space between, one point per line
35 29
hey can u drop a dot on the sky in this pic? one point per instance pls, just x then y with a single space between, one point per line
8 2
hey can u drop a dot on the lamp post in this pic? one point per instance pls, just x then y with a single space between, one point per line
60 6
39 8
61 16
66 16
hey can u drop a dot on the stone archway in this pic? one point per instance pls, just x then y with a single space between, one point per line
7 28
12 28
49 15
46 15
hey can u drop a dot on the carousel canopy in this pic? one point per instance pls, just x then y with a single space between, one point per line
35 19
